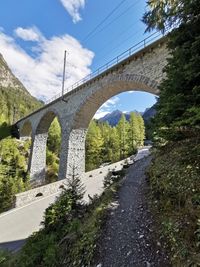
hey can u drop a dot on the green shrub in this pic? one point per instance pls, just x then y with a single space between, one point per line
175 187
13 171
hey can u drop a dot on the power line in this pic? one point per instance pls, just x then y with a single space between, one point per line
98 25
116 18
103 55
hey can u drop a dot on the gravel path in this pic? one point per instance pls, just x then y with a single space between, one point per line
128 237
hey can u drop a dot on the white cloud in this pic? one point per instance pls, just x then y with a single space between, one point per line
100 114
73 7
110 103
107 107
28 34
42 74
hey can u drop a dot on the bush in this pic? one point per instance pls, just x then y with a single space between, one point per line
70 232
13 171
175 186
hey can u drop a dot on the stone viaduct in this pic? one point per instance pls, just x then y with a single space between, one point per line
140 71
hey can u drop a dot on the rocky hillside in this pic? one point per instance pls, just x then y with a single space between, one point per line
7 78
15 100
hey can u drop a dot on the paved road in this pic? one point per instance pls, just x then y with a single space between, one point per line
17 224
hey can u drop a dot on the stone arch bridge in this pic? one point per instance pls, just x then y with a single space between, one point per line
141 71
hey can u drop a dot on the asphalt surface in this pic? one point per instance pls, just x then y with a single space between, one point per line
128 238
18 224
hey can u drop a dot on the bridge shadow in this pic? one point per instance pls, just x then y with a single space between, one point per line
13 246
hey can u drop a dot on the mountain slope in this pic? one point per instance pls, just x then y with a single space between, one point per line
149 113
7 78
15 100
114 117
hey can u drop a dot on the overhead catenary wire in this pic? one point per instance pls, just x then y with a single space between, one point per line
106 18
93 32
98 28
116 18
102 55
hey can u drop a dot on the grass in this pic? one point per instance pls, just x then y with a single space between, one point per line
175 188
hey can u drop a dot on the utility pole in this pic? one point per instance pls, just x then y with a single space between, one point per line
63 80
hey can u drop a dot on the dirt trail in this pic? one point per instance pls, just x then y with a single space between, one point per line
128 237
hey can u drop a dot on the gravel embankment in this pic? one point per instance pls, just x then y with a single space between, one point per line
129 235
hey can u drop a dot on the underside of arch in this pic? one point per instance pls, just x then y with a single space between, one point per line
26 129
113 87
46 121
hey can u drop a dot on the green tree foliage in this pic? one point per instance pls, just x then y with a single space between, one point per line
54 137
52 161
75 188
94 145
61 223
105 132
174 174
167 13
10 112
110 144
15 100
53 151
114 145
175 189
141 131
122 129
13 170
69 235
133 131
178 109
69 202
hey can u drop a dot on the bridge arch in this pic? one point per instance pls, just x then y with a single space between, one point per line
46 120
26 130
109 87
37 162
141 71
113 86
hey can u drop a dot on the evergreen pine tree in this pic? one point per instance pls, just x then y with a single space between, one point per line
141 128
178 108
94 144
122 128
133 132
75 188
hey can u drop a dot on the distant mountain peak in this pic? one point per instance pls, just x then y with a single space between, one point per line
113 117
117 111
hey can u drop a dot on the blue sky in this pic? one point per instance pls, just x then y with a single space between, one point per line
34 34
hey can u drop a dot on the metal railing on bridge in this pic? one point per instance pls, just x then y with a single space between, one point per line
129 52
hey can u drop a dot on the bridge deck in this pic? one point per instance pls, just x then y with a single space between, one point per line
132 53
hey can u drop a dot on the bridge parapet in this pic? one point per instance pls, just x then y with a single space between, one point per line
88 178
32 195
